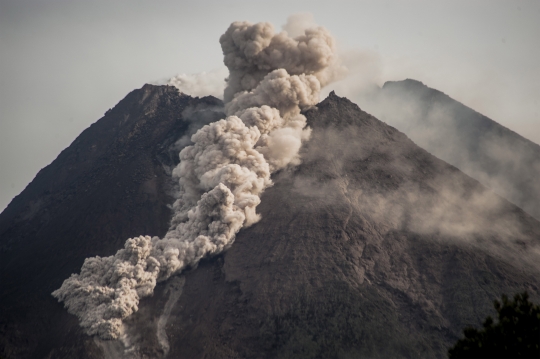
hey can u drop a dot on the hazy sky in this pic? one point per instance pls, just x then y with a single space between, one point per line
64 63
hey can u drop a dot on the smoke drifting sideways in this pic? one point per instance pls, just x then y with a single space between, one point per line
402 191
207 83
221 176
499 158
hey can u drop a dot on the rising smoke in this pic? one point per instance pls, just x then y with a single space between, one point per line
273 77
207 83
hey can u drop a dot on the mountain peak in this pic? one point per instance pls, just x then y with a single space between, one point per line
370 247
112 183
497 156
406 82
342 107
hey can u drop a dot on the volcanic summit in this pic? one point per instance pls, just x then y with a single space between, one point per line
269 225
370 247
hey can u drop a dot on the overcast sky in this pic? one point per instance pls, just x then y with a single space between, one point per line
64 63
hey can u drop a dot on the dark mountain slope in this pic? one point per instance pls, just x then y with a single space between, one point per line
343 263
496 156
371 248
109 185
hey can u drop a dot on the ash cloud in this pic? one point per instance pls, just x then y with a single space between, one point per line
197 117
221 176
298 23
252 51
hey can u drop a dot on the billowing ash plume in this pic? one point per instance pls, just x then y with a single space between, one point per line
221 176
253 51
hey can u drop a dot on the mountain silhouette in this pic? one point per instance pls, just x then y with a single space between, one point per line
371 247
482 148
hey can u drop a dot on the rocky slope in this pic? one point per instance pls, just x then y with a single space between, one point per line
110 184
370 248
498 157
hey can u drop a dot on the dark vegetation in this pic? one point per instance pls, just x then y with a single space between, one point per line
515 334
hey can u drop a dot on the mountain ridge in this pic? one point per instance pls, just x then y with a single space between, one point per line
349 258
330 264
484 149
115 168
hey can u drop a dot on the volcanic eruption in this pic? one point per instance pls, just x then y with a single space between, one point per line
221 176
349 239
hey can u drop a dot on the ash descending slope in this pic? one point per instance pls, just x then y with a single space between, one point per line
371 248
112 183
496 156
220 177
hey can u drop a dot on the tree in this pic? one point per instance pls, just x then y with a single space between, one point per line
515 335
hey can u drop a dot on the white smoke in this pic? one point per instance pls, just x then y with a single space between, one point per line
211 83
273 77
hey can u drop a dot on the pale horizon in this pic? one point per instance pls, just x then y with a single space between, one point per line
65 63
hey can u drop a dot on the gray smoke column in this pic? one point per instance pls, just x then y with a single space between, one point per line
221 176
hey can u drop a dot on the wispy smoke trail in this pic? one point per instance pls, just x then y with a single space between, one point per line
174 287
221 176
209 83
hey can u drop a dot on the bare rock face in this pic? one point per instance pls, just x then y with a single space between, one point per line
372 247
110 184
485 150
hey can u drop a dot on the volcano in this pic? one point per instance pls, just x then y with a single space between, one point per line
482 148
371 247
